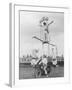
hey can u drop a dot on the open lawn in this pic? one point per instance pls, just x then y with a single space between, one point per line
27 72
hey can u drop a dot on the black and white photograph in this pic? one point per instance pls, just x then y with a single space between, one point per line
41 44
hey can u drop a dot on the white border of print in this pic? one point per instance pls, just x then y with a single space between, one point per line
14 45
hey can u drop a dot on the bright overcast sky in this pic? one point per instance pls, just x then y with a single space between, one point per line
29 26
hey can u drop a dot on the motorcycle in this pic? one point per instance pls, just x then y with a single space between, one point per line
39 70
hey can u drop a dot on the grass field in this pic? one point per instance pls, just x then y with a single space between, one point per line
27 72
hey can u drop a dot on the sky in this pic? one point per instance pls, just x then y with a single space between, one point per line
29 27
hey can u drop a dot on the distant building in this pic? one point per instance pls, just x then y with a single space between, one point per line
25 59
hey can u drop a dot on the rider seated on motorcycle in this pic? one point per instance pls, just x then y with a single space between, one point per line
44 63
